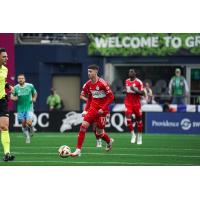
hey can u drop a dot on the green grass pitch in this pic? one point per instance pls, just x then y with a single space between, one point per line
156 150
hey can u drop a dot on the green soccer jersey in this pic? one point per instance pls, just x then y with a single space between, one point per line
24 94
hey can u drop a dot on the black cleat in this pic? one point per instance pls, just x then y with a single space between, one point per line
8 157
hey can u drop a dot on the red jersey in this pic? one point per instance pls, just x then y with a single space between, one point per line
101 94
131 97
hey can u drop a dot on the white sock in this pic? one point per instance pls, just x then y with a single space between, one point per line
140 135
133 133
25 131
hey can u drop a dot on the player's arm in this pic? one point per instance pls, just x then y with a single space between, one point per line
126 88
170 86
109 99
34 97
137 91
14 98
86 96
82 97
34 94
9 87
88 102
13 95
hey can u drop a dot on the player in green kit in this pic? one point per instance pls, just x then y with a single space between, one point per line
25 95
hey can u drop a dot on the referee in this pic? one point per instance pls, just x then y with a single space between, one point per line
4 116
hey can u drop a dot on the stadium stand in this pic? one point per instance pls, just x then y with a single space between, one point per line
52 38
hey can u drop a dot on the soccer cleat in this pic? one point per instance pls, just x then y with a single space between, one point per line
76 153
109 145
133 138
139 138
99 143
8 157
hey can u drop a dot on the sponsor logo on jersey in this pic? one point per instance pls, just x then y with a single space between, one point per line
98 94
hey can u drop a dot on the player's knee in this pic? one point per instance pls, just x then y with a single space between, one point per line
29 123
99 132
24 123
139 122
84 127
127 115
94 127
85 124
4 127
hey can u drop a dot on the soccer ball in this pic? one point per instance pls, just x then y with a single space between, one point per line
64 151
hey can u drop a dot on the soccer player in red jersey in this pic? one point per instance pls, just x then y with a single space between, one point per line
134 90
102 97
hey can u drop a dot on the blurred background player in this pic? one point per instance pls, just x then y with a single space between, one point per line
134 90
178 88
25 95
102 97
4 116
54 101
148 94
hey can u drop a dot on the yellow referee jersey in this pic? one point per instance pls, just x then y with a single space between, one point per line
3 77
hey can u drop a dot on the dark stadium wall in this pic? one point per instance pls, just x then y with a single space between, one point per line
40 63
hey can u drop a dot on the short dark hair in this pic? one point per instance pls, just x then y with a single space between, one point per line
21 75
2 50
132 69
93 66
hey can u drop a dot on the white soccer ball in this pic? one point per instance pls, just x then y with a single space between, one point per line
64 151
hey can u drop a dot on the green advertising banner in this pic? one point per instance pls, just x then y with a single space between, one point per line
143 44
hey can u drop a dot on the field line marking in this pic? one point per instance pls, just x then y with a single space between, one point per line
137 148
116 154
120 163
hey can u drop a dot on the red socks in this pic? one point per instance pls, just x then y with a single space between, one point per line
105 137
81 137
130 125
140 126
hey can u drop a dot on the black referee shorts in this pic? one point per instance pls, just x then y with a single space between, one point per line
3 108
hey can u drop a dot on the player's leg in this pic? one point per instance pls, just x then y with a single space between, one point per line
98 139
4 129
22 119
5 138
101 122
26 131
29 121
130 124
89 118
138 115
81 136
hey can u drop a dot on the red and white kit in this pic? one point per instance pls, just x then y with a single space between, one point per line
132 100
102 97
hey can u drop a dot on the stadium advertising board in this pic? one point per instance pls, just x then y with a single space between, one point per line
66 122
144 44
188 123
